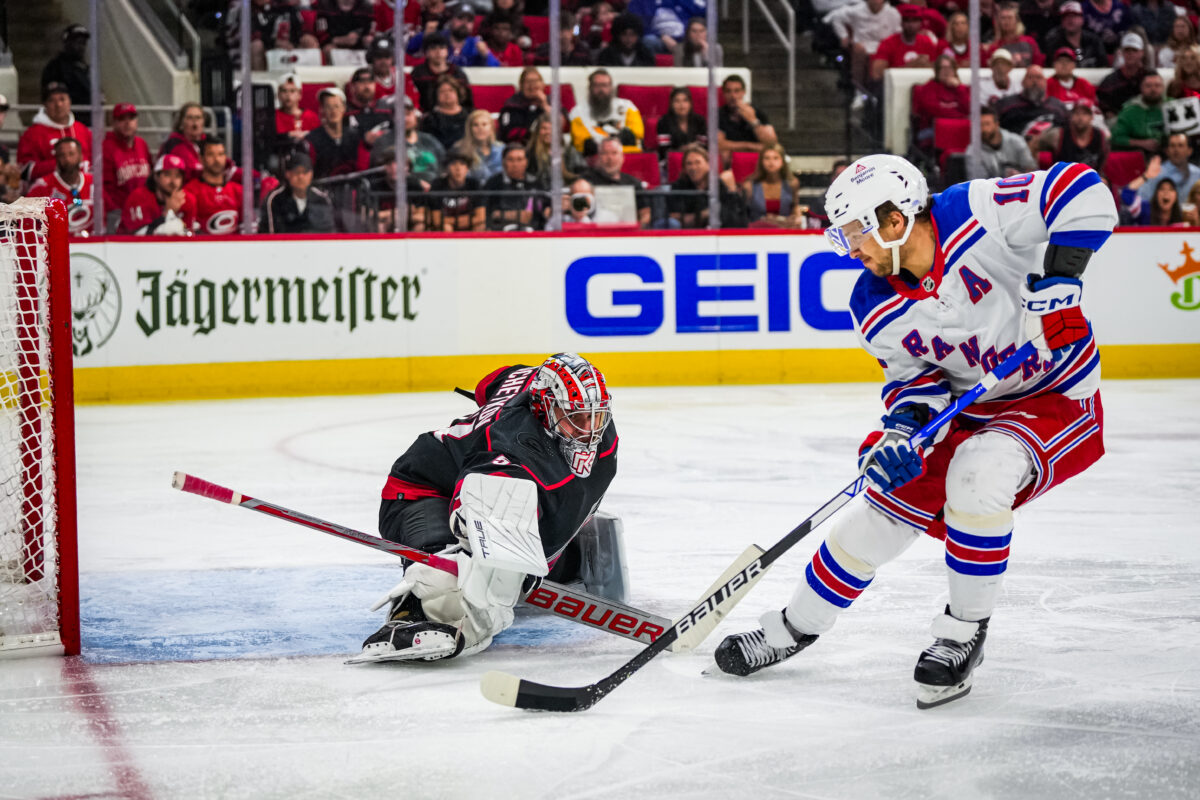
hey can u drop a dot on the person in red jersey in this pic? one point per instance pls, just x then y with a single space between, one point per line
69 183
126 158
160 206
185 140
292 121
35 150
911 47
218 201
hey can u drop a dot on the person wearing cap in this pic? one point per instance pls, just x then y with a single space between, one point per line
360 92
343 24
463 49
126 158
1089 50
383 66
461 207
1140 125
860 28
296 206
424 76
1108 19
1010 34
159 205
291 121
1125 82
1081 141
71 69
1065 85
999 84
1019 112
912 47
53 121
69 183
334 146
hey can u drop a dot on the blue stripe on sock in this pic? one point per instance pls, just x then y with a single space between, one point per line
984 542
824 591
840 572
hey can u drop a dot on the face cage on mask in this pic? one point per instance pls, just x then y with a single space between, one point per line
579 449
844 244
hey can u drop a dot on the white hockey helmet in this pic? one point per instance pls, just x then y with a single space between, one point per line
863 187
571 399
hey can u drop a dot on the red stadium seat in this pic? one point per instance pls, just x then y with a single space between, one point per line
491 98
700 100
644 167
951 135
1123 166
308 95
539 29
674 166
568 96
652 101
664 60
744 163
651 123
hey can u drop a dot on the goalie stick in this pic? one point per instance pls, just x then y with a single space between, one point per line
509 690
568 602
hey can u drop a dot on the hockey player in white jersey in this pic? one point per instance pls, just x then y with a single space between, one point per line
946 295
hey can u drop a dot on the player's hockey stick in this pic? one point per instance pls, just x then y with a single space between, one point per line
568 602
508 690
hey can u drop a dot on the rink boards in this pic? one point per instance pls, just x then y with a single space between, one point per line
236 317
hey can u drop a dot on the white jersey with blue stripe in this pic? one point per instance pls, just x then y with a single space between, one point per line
938 339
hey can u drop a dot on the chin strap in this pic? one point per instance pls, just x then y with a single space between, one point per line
895 260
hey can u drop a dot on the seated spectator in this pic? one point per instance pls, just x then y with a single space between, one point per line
344 25
274 25
1081 141
626 48
515 212
958 41
999 85
520 110
464 211
1156 18
160 206
424 75
292 121
1125 82
333 147
463 49
515 11
860 28
1003 153
596 28
447 122
911 48
1186 82
1108 19
360 92
69 183
1139 126
499 36
1162 209
602 115
374 123
607 172
383 189
126 160
1039 18
70 68
296 206
218 201
573 50
1182 37
1090 51
10 175
579 206
1191 209
1010 34
432 16
693 50
480 146
771 192
426 156
689 210
382 61
944 97
54 121
741 126
185 139
1063 85
1177 167
1021 111
682 126
537 148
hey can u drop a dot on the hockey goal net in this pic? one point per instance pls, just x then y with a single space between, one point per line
39 593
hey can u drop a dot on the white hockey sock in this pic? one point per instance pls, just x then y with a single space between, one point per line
976 558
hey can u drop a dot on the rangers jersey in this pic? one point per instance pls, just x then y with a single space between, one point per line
503 437
938 339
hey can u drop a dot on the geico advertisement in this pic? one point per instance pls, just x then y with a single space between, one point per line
179 302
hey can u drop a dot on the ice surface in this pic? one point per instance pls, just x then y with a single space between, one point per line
214 637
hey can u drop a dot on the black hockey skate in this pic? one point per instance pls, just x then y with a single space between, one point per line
408 635
944 670
745 653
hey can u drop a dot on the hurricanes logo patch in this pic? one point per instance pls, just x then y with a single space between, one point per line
582 461
501 461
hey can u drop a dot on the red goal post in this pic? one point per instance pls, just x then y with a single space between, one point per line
39 581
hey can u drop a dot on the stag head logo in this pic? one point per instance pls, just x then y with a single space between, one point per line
95 303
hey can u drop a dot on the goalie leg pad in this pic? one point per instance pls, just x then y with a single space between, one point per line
603 567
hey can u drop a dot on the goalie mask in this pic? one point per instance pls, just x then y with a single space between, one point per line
862 188
571 399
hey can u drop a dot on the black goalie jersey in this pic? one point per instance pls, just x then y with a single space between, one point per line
504 437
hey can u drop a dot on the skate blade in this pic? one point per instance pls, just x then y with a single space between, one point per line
933 696
411 654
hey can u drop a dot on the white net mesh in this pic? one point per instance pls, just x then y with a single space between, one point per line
29 555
